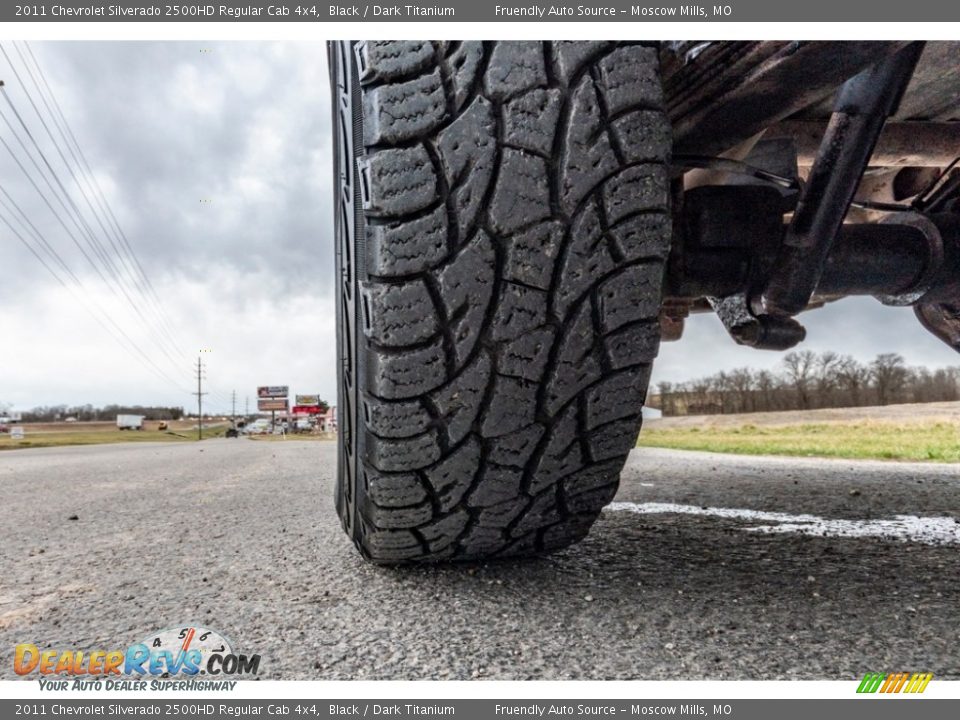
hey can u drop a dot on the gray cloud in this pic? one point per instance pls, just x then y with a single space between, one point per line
165 125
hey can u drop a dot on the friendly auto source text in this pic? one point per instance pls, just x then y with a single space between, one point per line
540 11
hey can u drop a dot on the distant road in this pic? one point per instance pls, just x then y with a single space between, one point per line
708 566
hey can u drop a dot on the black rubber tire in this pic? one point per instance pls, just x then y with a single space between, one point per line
502 228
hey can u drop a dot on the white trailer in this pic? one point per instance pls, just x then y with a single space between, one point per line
130 422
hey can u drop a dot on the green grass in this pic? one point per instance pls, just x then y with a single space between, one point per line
100 437
934 442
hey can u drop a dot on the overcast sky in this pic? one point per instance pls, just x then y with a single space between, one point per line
215 159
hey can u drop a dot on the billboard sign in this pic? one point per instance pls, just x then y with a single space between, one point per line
271 404
273 391
305 410
308 399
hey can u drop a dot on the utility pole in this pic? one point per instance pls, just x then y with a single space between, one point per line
246 408
233 408
199 393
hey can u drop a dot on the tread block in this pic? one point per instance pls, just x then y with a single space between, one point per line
571 530
643 136
522 194
593 501
484 540
576 365
633 345
531 254
530 120
500 515
592 477
397 181
395 419
459 402
467 149
639 188
391 545
586 260
614 440
466 286
619 395
497 485
519 310
512 406
630 77
561 456
587 154
523 546
397 518
515 66
403 454
443 533
570 56
462 65
516 448
542 512
398 315
389 59
452 477
390 491
643 236
630 295
408 247
527 356
401 111
399 375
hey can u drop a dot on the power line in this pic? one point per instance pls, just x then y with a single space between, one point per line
77 216
128 257
131 345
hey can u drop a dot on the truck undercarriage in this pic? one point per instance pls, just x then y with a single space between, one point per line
823 170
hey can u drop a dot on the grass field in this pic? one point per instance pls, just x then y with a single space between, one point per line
99 433
934 441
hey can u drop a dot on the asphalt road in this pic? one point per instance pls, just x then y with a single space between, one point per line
241 536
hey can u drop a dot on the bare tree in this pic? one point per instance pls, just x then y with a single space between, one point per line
889 371
741 383
826 377
766 386
854 379
667 406
800 368
809 380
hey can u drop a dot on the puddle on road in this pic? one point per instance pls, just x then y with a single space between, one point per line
904 528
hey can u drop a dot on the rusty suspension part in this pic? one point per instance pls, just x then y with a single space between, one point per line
860 111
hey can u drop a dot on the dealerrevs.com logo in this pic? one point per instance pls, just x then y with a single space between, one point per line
176 652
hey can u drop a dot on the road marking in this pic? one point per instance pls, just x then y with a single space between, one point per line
904 528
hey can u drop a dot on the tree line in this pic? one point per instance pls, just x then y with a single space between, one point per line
807 380
87 413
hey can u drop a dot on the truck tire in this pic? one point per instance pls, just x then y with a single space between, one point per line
502 225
